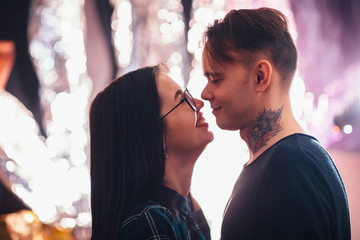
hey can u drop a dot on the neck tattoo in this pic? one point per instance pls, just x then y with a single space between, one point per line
263 128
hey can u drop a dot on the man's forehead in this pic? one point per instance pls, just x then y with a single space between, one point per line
213 68
241 59
209 63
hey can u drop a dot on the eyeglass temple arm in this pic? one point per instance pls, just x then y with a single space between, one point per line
173 108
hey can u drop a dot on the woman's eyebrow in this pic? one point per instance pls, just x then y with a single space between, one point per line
178 92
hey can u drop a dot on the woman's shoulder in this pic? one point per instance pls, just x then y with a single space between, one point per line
146 208
148 220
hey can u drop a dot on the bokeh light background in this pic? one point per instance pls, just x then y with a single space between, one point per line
51 174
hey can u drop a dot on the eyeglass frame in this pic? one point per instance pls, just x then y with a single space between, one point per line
184 99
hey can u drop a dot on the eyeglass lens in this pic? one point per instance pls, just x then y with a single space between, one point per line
190 100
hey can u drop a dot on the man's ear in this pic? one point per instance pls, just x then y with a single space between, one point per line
263 72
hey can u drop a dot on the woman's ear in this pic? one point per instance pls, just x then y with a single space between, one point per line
263 72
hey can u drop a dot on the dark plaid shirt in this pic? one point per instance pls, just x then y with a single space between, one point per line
165 215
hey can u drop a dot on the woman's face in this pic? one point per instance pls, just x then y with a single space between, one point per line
186 130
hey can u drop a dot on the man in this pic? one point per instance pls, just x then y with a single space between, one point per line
290 187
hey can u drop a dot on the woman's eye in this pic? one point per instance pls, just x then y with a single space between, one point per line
215 81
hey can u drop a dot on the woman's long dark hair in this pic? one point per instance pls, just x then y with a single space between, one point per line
127 153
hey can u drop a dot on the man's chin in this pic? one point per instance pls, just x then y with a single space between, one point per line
226 126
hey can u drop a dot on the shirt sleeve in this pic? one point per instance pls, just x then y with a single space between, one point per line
152 224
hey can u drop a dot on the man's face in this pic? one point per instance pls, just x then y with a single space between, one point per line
230 91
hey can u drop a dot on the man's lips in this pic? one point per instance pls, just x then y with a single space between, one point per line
215 106
214 109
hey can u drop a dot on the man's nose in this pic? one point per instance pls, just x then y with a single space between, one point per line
206 94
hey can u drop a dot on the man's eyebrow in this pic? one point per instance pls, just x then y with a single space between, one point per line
178 92
211 74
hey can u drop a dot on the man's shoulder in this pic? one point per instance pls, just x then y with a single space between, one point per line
298 146
298 155
297 141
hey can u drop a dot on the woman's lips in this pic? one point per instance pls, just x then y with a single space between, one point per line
200 120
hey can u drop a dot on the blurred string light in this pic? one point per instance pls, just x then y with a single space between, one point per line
347 99
51 175
147 32
348 129
332 124
65 90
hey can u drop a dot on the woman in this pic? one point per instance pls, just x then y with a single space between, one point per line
146 135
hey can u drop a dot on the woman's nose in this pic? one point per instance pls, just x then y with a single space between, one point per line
199 103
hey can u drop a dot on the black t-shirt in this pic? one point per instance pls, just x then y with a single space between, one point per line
291 191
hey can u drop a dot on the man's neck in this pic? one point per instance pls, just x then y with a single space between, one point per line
270 126
266 126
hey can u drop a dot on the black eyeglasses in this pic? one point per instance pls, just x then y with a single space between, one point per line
187 98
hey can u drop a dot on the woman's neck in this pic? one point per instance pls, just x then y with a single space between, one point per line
178 173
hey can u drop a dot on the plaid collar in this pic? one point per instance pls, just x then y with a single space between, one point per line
173 199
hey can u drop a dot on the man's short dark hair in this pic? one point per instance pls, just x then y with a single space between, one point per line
244 34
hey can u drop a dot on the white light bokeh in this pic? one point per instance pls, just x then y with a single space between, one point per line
51 176
348 129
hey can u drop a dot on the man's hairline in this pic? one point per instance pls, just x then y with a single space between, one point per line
284 83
